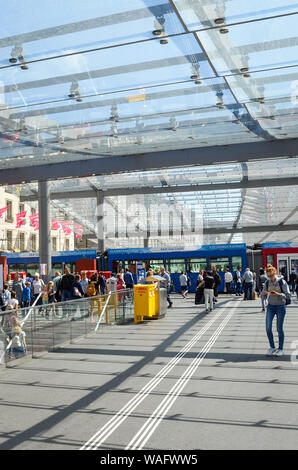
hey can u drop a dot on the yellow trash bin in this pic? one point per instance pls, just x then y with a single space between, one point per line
144 301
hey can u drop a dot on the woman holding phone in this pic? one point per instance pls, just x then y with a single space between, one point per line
277 293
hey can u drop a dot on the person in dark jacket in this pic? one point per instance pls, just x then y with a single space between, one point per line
217 281
128 279
102 284
66 285
77 290
293 277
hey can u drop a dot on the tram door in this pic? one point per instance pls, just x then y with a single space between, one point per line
285 264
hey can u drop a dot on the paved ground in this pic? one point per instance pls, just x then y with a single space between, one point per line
187 381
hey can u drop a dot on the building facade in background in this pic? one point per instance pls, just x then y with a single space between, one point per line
25 238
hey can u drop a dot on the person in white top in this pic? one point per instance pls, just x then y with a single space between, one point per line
14 301
183 284
228 280
37 287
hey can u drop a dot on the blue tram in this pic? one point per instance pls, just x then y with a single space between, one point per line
225 256
29 262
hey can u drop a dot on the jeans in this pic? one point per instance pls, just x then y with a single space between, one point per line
228 287
280 312
238 287
66 295
208 293
248 290
19 352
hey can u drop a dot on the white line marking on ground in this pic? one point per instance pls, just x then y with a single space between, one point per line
146 431
105 431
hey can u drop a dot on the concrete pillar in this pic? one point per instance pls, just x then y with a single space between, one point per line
100 221
45 251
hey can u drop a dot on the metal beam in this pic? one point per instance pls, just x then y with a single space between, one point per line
153 161
223 230
189 188
45 229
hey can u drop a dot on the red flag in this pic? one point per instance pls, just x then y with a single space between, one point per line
56 224
65 227
78 230
35 221
2 211
20 218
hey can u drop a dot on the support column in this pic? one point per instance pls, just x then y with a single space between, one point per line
45 251
100 222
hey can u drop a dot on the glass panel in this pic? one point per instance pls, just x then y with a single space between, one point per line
294 265
196 264
270 260
176 265
201 14
32 268
56 267
89 25
236 263
156 263
16 267
257 46
283 267
220 263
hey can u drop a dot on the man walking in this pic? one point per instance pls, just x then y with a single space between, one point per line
166 283
128 279
248 284
228 280
66 285
183 284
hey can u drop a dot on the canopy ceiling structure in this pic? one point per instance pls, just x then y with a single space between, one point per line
194 101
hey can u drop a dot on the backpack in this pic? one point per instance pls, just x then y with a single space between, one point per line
1 301
288 296
16 342
91 291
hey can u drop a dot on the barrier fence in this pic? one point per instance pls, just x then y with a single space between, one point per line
50 326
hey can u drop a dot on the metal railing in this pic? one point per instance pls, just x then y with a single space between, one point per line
49 326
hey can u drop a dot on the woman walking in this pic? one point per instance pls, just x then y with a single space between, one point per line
208 291
277 293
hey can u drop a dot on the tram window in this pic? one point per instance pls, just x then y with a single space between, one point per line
156 263
14 268
236 263
32 268
220 263
196 264
56 267
72 267
176 265
115 266
270 260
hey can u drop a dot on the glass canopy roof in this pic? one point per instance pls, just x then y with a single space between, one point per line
96 79
231 205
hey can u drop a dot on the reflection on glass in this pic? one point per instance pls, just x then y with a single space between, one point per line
236 263
196 264
176 266
220 263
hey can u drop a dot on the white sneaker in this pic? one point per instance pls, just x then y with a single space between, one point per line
270 352
279 352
